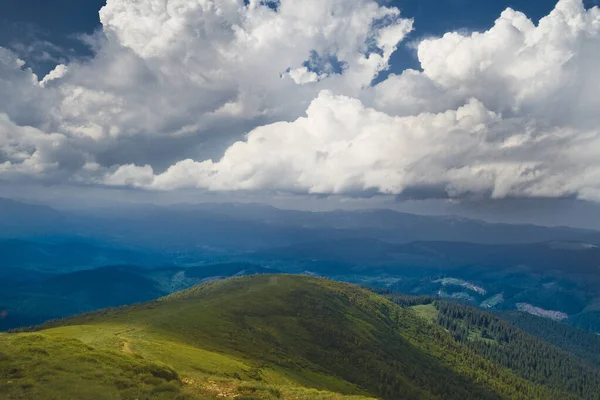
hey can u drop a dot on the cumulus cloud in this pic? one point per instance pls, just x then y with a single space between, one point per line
58 72
27 151
183 67
191 77
509 112
302 75
21 98
516 68
342 147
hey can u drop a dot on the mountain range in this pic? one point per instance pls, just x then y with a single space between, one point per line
50 262
211 228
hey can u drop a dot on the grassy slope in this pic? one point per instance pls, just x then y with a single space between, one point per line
426 311
35 366
265 337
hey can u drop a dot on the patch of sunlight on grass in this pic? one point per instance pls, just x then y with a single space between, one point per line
426 311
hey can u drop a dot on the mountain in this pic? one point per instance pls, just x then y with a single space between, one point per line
188 231
22 219
587 319
77 292
546 271
269 337
393 226
60 255
252 226
74 293
554 279
177 278
557 257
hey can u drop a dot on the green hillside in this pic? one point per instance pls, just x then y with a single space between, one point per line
525 354
83 291
583 344
258 337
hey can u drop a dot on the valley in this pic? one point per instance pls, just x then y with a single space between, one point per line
292 305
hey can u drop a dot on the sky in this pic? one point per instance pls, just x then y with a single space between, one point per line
482 103
43 32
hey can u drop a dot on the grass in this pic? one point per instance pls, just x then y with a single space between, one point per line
475 334
427 312
37 366
47 366
259 337
190 360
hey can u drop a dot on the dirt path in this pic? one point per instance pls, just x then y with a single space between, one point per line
127 347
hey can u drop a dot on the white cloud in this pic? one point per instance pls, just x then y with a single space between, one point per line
58 72
341 147
27 151
198 74
182 65
302 75
510 112
129 175
21 97
515 68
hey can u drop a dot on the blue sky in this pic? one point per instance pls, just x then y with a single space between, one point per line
435 17
40 23
30 26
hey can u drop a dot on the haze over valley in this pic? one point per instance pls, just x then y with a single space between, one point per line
62 264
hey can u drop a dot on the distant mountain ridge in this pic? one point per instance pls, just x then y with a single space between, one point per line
205 228
560 257
552 269
561 278
19 219
60 255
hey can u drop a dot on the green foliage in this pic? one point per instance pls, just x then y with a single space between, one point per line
581 343
525 354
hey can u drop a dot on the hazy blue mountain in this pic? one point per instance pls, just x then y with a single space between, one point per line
547 271
67 254
392 226
588 319
75 293
19 219
209 229
558 280
572 259
92 289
